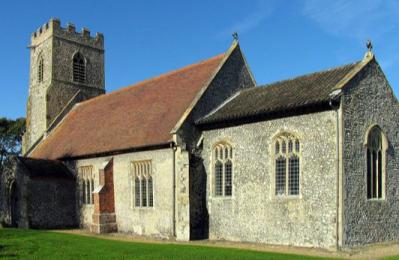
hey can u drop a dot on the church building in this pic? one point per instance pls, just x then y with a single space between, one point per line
203 152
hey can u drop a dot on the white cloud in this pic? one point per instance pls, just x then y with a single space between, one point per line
358 19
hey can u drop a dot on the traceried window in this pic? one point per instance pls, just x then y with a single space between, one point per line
142 190
287 161
40 69
223 169
375 149
86 178
79 68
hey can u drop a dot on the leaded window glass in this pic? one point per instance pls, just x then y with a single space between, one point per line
223 169
143 188
287 165
280 175
86 177
375 160
293 176
137 192
218 178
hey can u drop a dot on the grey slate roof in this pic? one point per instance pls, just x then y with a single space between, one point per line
291 94
46 168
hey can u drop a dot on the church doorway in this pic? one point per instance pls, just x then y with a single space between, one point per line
14 204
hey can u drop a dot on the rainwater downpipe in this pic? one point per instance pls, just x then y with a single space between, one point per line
334 96
174 148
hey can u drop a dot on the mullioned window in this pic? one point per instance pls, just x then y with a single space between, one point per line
223 169
287 150
142 190
87 184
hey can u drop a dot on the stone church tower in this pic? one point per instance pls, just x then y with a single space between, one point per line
66 67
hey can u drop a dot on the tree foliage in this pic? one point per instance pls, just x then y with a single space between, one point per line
11 132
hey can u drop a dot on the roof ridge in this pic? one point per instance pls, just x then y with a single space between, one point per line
155 78
307 75
300 91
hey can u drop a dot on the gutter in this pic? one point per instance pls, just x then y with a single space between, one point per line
119 151
174 148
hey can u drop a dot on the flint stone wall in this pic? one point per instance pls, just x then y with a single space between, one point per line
152 221
254 213
369 100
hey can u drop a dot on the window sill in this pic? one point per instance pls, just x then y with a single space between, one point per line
287 197
376 200
143 208
221 197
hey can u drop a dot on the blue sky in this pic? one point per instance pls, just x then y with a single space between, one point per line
280 39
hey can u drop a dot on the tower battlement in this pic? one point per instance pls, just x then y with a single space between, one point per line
64 64
54 28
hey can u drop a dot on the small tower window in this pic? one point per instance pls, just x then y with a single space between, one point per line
40 69
79 68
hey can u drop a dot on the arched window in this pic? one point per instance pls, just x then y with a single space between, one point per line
40 69
376 145
223 169
143 188
79 68
87 184
287 161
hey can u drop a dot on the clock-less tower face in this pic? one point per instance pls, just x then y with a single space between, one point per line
66 67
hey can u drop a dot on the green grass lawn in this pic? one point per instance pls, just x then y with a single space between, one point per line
32 244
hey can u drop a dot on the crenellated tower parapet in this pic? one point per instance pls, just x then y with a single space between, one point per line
53 28
64 64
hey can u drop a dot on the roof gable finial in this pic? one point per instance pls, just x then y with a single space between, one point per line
235 36
369 54
369 45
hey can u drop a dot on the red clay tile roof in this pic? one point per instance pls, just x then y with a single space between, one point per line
136 116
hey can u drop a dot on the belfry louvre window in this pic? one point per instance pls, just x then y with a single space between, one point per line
40 69
375 149
142 192
79 68
287 154
223 169
87 184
